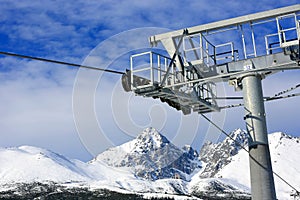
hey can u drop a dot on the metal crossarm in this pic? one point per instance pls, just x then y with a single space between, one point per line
198 56
228 23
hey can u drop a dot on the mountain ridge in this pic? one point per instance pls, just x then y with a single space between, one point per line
152 156
222 172
211 153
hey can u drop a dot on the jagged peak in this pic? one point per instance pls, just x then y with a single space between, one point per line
277 139
238 133
152 137
279 135
237 137
153 133
187 148
152 156
192 153
241 137
149 139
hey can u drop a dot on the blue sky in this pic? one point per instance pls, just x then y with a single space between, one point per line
38 106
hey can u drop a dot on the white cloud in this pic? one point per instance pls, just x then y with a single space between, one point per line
36 97
36 106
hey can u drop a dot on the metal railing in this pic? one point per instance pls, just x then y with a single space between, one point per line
283 32
201 51
285 36
153 66
227 53
207 91
272 43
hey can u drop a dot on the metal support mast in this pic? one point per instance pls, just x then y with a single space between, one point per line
209 54
262 181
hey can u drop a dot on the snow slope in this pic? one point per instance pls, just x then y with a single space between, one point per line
285 151
28 164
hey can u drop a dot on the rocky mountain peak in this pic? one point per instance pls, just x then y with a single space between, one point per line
149 139
237 137
190 152
278 136
152 156
218 155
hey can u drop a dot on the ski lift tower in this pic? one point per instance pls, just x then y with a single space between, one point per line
242 51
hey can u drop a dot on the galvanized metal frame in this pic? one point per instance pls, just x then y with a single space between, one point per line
244 74
261 16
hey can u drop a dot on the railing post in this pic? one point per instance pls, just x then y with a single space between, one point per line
232 51
244 43
151 68
201 48
158 69
267 47
131 74
253 39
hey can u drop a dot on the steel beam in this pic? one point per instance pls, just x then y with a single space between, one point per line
265 15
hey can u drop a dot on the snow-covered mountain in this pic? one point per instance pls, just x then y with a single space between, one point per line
29 164
284 150
226 162
152 156
30 172
216 156
146 167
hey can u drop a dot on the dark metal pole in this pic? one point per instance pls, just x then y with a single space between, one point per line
262 181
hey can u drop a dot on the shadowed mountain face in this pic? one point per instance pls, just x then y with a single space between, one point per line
216 156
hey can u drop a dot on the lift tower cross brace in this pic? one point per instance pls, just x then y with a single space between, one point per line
242 51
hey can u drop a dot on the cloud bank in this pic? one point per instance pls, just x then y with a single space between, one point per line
36 98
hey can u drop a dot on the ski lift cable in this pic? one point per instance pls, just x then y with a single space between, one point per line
245 149
277 96
287 90
61 62
266 100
